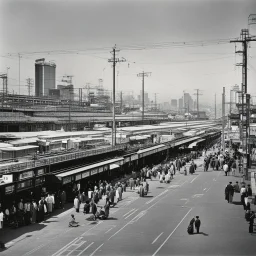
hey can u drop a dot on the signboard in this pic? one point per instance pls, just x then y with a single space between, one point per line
66 180
25 175
134 157
78 176
24 185
252 130
40 172
85 174
39 181
94 171
8 178
9 189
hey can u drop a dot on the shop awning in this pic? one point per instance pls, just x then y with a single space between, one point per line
113 166
89 167
194 144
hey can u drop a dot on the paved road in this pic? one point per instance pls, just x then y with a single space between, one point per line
153 225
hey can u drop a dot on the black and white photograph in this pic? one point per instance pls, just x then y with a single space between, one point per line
127 127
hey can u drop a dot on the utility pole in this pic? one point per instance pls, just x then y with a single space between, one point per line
215 106
156 101
143 74
114 60
19 72
223 119
5 89
121 101
197 101
30 83
245 38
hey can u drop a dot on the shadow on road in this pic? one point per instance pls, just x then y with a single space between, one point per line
237 203
201 233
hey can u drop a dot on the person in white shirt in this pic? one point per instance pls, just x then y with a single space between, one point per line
225 169
21 205
243 196
1 219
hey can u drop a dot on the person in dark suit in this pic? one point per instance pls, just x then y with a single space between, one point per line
197 224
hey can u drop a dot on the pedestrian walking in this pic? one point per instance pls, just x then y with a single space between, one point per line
197 224
243 195
225 169
76 204
229 192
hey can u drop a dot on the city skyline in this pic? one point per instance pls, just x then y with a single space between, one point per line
209 65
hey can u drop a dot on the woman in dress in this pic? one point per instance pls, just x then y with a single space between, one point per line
34 211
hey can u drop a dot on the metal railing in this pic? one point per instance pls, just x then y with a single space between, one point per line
17 167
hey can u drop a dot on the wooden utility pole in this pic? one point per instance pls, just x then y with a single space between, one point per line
245 38
114 60
143 74
215 106
223 119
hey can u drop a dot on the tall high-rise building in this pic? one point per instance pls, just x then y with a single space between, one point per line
188 102
181 105
45 77
174 104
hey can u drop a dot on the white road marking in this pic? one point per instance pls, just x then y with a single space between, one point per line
150 201
77 246
130 214
157 238
35 249
194 179
197 195
159 248
131 221
92 228
204 189
96 250
174 186
137 217
65 247
109 230
207 189
85 249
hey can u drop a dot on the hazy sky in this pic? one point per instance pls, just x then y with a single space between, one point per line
51 25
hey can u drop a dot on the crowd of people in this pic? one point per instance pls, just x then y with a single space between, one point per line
29 211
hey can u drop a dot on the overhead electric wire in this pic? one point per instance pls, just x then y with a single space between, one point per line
133 47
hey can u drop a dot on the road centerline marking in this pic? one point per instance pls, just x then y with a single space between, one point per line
96 249
85 248
194 179
159 248
157 238
130 214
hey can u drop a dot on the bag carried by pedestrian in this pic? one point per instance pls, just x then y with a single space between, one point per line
190 229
